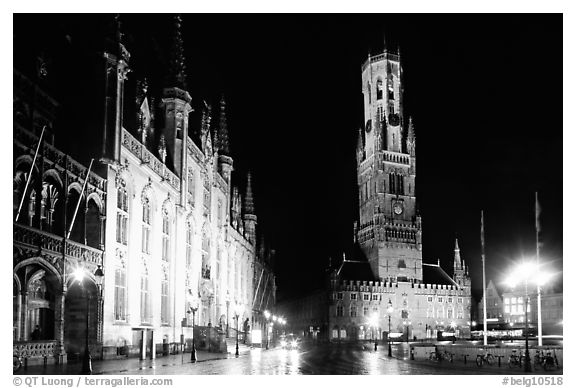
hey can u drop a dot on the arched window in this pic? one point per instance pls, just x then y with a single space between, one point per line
122 214
379 89
146 226
165 236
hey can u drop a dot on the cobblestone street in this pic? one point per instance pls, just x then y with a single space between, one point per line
310 360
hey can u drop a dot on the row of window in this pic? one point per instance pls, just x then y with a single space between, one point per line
450 313
449 299
380 90
354 311
120 298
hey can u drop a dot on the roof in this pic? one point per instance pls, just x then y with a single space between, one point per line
355 270
434 274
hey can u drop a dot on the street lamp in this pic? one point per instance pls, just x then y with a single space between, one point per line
238 310
525 272
193 308
373 322
267 316
227 313
390 310
98 278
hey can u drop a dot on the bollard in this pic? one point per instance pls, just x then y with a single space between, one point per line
465 357
412 354
45 361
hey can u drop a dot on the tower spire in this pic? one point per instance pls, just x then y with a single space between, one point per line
457 259
248 199
176 66
223 141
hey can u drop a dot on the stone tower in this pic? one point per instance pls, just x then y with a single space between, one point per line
460 271
390 230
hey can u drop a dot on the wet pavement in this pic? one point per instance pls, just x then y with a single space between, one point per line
327 359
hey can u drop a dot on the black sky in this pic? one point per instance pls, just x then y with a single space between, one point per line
485 92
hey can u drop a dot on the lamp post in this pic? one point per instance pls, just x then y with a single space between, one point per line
98 277
193 309
227 313
267 316
390 310
523 273
274 321
238 309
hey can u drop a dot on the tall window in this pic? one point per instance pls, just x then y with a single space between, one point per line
165 237
146 226
369 89
366 310
189 239
120 294
353 311
164 300
122 214
339 310
144 299
379 89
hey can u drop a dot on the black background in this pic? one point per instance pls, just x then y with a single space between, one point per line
485 92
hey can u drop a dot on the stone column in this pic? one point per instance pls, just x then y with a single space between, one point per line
23 315
102 231
18 333
60 351
84 223
143 345
99 317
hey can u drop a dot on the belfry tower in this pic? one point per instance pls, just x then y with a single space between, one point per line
390 230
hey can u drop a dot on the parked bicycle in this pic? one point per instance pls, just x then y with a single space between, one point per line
439 356
545 360
515 359
16 362
487 358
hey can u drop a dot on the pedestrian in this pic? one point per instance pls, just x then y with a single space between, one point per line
36 334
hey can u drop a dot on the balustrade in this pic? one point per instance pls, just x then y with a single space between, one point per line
146 157
52 243
35 349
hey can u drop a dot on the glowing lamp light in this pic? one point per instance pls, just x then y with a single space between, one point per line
267 314
79 274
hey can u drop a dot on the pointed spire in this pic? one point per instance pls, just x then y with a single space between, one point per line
457 259
223 141
177 67
384 38
248 199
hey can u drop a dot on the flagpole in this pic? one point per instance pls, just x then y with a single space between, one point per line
79 199
485 331
537 214
30 174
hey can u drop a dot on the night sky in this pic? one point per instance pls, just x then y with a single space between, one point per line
485 93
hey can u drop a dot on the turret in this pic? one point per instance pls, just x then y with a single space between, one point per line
250 219
117 69
176 102
225 162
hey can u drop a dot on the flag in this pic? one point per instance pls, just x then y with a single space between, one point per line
146 116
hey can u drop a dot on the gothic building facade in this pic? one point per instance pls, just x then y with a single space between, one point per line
165 220
386 283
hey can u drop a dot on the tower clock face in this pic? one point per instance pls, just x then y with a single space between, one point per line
398 209
368 126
